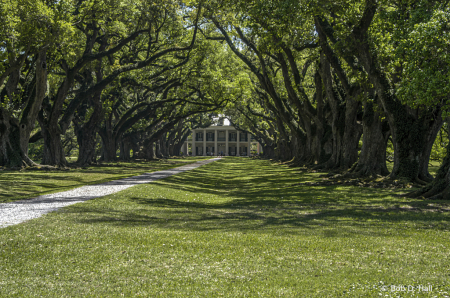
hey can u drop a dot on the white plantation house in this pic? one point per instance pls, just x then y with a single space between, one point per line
222 140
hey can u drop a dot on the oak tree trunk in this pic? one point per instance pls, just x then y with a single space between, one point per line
372 159
352 133
87 142
345 131
15 133
12 154
268 150
125 150
149 151
53 149
109 145
439 189
413 131
283 150
163 150
158 149
413 135
109 150
109 142
87 135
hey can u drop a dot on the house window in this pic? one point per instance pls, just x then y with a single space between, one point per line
199 136
210 151
243 151
210 137
233 137
232 151
221 136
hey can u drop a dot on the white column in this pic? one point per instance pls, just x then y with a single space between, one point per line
193 143
215 143
238 133
258 146
204 142
226 142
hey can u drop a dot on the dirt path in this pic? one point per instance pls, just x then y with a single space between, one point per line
16 212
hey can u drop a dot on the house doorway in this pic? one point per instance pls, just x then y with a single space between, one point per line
221 150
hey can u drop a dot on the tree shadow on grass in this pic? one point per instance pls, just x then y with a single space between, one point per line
268 200
263 216
32 186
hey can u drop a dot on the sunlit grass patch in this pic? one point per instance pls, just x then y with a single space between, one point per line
25 184
234 228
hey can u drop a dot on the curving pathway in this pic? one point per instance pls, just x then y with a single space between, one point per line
20 211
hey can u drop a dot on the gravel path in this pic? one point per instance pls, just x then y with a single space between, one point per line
20 211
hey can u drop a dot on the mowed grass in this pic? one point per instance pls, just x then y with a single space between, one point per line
234 228
28 183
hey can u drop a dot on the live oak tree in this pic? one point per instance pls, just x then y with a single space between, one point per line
155 100
425 49
413 129
260 124
355 66
120 37
351 79
153 107
307 78
264 68
28 32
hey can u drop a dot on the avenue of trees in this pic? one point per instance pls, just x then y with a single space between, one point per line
333 85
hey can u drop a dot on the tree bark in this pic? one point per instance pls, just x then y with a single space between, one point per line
53 149
11 154
439 189
125 149
15 133
413 131
321 141
345 131
86 139
87 135
352 133
179 141
109 142
429 139
372 159
163 146
149 151
158 149
268 151
109 149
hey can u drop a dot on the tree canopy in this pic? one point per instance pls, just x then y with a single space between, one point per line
325 84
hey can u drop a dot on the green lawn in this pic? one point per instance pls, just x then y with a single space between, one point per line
28 183
234 228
